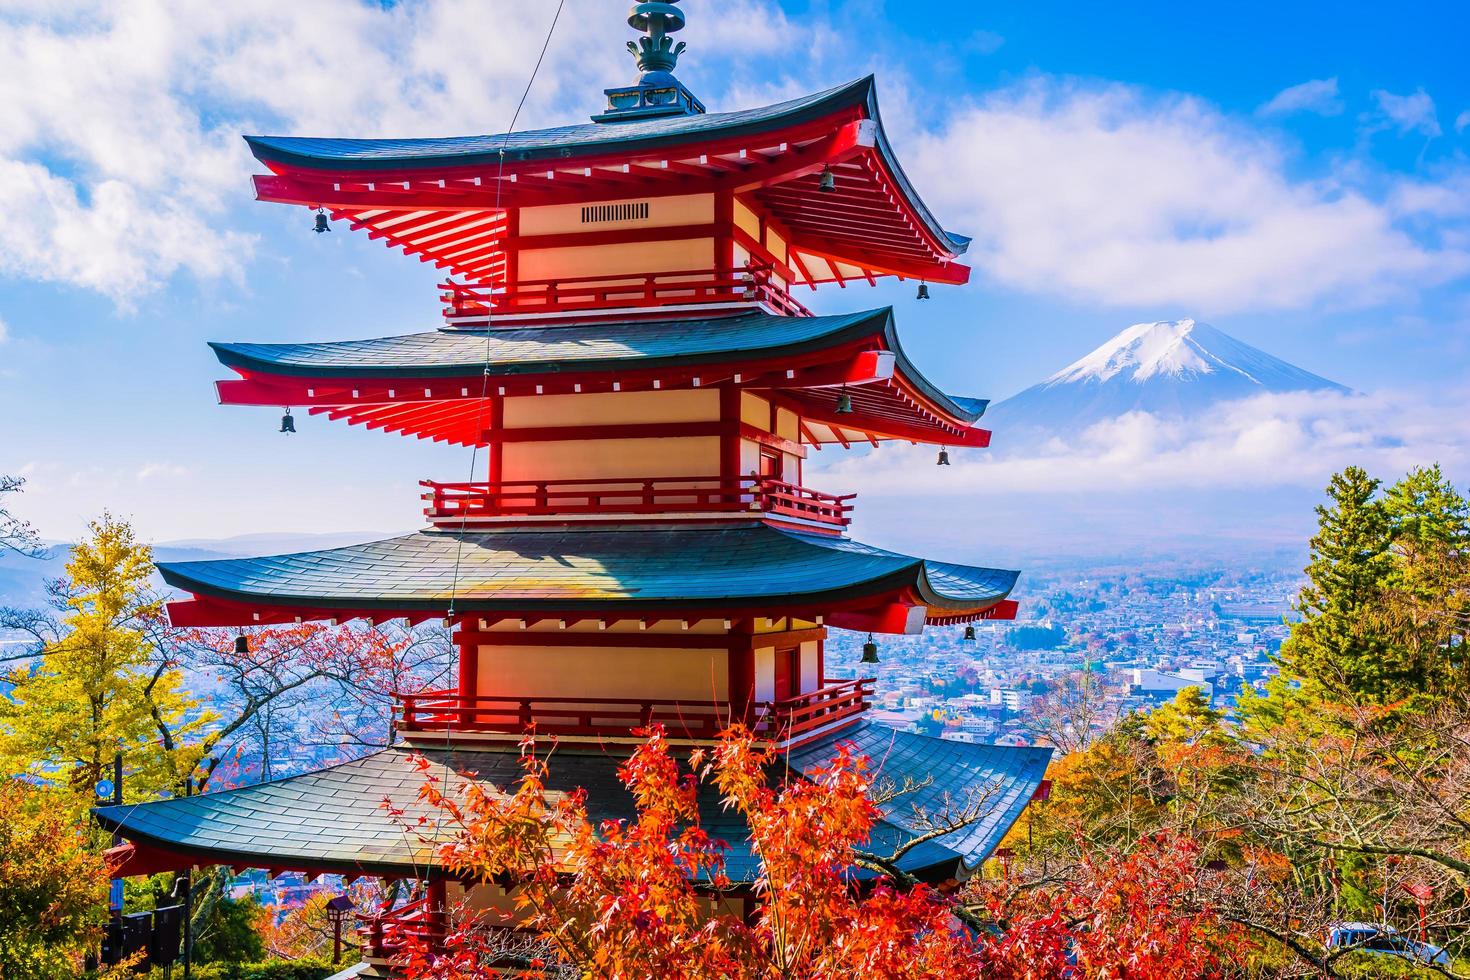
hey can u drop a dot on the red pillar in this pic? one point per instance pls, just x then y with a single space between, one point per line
469 671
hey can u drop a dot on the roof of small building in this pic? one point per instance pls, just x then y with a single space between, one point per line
635 567
336 820
601 345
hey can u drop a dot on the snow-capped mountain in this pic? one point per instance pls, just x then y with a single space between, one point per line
1172 367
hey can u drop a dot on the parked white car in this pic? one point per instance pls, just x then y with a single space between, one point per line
1385 941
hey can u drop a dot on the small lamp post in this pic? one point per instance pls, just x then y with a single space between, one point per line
337 909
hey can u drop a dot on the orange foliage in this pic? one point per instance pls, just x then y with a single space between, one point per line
616 900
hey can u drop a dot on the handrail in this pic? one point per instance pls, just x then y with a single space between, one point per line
617 291
440 711
756 495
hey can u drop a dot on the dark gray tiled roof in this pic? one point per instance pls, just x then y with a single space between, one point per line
1002 778
572 568
555 143
571 142
604 345
335 819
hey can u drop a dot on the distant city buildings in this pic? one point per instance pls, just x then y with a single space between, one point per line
1142 635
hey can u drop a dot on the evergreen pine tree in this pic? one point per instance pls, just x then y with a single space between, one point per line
1428 609
1338 644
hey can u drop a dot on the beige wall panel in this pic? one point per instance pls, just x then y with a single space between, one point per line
786 425
634 259
755 411
746 221
777 245
663 212
595 459
603 672
613 408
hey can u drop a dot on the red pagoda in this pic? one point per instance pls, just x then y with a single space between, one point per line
623 344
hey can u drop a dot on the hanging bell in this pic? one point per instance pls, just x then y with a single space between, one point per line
970 634
322 222
943 458
242 644
844 403
827 183
923 290
288 424
870 651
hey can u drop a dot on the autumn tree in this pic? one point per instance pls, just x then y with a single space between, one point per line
96 690
619 899
53 885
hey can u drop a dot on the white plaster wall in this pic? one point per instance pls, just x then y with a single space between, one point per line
765 673
809 679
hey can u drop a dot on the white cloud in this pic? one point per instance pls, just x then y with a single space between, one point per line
1294 440
1318 95
4 332
1413 113
1462 121
120 156
1111 195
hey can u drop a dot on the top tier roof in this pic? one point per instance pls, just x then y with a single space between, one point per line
415 193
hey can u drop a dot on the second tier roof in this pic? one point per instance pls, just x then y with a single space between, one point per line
805 357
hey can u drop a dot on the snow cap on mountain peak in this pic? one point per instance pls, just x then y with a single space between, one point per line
1169 348
1167 368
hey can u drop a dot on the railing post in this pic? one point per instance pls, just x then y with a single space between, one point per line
525 715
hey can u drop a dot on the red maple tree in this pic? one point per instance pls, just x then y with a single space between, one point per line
651 897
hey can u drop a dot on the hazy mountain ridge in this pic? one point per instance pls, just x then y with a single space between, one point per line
1171 368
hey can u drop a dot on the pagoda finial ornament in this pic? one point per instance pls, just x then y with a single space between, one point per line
657 52
657 92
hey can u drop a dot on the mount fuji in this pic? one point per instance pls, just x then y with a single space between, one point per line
1169 368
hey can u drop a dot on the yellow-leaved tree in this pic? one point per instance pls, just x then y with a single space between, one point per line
101 687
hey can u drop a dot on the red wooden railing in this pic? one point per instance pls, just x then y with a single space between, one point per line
466 304
779 721
450 502
386 933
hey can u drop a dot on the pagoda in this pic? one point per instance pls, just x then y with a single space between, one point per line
624 349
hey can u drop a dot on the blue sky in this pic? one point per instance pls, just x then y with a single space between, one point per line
1297 175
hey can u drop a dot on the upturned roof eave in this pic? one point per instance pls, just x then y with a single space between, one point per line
600 138
255 359
845 329
569 143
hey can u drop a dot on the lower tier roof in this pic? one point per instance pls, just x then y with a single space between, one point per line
629 569
335 820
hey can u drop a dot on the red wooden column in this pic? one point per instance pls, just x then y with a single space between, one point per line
730 436
740 676
469 667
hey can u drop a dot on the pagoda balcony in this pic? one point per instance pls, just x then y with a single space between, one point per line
780 722
702 290
453 505
386 933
